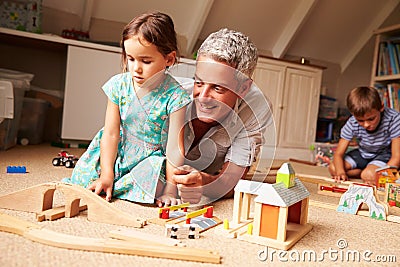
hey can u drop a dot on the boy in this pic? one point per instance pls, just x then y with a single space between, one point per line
377 130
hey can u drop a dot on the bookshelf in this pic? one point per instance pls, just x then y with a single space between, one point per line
385 74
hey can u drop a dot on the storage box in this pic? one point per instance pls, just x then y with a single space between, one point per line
53 118
328 107
9 127
32 121
24 15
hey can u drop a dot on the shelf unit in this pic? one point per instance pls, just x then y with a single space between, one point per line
385 74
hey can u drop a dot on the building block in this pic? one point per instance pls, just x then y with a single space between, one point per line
286 175
16 169
280 212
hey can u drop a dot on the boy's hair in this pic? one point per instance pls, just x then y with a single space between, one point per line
154 27
362 100
231 47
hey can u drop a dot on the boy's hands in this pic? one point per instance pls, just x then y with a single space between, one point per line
340 177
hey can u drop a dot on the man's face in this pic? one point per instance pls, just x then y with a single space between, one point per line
370 120
213 95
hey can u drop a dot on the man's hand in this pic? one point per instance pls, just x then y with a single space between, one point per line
189 182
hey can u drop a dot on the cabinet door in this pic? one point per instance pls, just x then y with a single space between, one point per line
300 108
270 80
84 101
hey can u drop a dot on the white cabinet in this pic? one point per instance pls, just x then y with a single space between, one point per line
294 92
84 100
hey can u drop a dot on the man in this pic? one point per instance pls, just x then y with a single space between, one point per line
226 121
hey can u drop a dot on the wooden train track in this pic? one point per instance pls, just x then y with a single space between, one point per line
39 199
122 245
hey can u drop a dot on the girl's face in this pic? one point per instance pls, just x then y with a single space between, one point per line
144 60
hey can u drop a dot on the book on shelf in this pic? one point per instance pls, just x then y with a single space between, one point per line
390 95
389 57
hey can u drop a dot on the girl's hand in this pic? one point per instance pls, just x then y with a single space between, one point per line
101 185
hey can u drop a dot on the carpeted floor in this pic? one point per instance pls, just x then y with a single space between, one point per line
372 240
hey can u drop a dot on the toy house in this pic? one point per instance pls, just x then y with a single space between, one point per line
280 211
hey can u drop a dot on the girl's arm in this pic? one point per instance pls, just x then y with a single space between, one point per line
338 161
175 155
395 159
108 151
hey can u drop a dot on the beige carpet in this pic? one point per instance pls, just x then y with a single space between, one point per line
362 234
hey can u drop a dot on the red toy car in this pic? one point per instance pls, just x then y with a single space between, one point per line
65 159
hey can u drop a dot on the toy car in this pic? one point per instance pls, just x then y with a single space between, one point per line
65 159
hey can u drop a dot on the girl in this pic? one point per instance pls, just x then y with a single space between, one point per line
126 159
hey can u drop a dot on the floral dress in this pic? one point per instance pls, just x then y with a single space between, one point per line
141 156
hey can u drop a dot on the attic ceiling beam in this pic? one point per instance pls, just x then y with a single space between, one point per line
199 18
291 28
86 15
369 31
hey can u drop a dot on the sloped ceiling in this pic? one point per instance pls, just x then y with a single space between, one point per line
325 30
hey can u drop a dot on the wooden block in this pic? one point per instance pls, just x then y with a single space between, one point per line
294 232
233 229
55 213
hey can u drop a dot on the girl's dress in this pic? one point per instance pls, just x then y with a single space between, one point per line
141 156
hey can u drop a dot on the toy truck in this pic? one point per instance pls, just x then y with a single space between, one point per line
65 159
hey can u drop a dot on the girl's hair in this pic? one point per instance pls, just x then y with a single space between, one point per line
231 47
362 100
154 27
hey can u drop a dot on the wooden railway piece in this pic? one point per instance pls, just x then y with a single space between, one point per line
202 222
39 198
331 206
164 212
167 214
140 237
357 194
177 217
38 234
55 213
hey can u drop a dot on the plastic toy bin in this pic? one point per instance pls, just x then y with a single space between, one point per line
32 121
9 127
